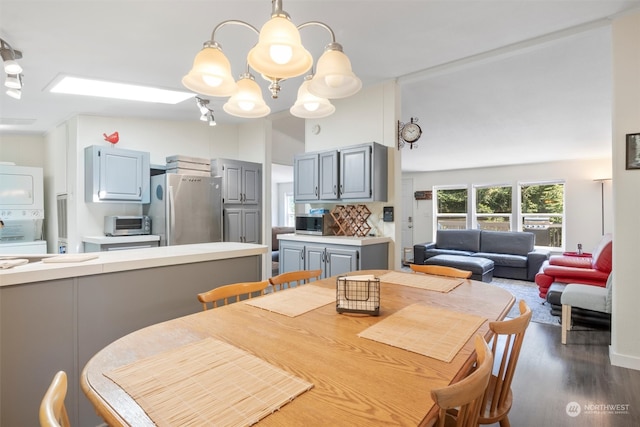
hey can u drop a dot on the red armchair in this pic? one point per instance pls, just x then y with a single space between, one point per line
592 270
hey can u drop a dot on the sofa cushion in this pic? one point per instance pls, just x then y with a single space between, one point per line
462 240
505 242
602 255
433 252
506 260
585 296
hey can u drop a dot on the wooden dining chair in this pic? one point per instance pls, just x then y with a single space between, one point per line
459 403
441 270
507 342
53 412
293 278
234 290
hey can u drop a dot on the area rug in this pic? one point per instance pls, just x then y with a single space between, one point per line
528 291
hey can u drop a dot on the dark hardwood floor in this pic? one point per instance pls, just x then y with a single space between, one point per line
550 376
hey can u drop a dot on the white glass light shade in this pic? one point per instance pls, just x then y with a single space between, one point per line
334 78
247 101
14 93
279 52
12 67
211 74
12 81
309 106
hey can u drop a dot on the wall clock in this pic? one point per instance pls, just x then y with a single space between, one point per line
408 133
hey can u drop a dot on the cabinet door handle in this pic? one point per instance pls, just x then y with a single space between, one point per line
316 190
335 188
341 189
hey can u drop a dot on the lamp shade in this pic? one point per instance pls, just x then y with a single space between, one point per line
247 102
14 93
13 81
211 73
334 78
279 52
309 106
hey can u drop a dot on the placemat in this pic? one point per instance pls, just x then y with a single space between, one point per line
430 331
422 281
295 301
205 383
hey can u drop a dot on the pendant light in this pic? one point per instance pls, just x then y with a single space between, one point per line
309 106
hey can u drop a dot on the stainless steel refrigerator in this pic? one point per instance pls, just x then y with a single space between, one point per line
185 209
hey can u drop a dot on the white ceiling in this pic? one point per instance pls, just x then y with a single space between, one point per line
492 82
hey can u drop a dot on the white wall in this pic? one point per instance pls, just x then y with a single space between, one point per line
625 340
583 201
23 150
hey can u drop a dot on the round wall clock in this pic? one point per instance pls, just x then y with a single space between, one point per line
409 132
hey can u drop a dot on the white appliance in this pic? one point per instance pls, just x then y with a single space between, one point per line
21 210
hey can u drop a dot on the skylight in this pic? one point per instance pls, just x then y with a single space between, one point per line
105 89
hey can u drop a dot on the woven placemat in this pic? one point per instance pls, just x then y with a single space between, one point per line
430 331
295 301
422 281
208 382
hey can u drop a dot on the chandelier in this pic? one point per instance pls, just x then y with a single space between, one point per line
278 55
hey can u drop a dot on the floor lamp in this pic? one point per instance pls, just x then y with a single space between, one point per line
602 181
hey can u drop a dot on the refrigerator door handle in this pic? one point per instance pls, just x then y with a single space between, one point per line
172 215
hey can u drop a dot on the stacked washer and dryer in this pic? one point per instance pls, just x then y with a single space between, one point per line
21 210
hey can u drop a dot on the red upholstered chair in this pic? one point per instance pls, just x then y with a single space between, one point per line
592 270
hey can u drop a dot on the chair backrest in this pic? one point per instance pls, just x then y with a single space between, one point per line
235 290
441 270
293 277
53 413
466 394
507 340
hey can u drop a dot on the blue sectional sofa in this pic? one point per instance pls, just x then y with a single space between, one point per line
513 253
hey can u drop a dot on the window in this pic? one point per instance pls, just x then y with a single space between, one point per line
542 212
451 208
493 208
289 210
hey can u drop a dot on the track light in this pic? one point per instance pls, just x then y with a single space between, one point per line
277 56
13 81
206 113
14 93
9 56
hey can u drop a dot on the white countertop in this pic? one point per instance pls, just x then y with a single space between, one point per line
134 259
103 240
335 240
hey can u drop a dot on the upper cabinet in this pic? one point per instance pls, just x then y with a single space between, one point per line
241 182
116 175
356 173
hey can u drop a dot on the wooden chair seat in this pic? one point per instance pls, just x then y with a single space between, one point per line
460 403
53 412
293 278
235 291
441 270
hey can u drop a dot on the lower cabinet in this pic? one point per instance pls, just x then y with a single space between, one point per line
332 259
241 225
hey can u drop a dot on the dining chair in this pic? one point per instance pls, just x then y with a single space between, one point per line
459 403
234 290
507 343
293 277
441 270
53 413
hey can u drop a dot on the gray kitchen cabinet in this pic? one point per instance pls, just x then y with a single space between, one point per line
241 183
363 173
291 257
333 259
353 174
241 225
315 176
116 175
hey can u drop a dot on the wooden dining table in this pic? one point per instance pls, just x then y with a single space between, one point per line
356 381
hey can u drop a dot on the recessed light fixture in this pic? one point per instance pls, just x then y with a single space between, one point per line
105 89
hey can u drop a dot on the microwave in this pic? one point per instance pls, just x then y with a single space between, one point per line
316 224
132 225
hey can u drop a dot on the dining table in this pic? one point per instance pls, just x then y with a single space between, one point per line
347 368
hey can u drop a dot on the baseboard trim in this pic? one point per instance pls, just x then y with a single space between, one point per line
624 361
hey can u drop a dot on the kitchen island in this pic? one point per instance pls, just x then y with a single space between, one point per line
56 315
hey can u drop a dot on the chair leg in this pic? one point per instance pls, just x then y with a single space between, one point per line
566 321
